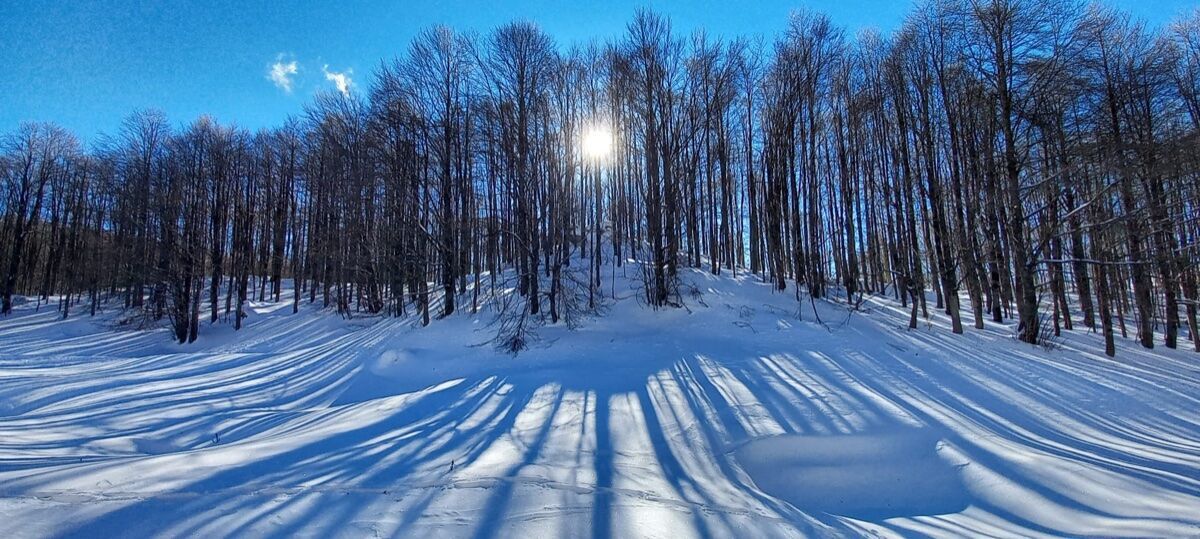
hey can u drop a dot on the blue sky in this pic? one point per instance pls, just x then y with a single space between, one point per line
86 65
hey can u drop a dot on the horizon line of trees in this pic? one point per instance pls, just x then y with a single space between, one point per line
1040 155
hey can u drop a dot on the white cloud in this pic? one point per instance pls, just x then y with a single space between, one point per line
340 79
281 73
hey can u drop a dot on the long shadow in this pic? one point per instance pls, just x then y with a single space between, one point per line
488 524
230 384
672 469
1046 437
1139 385
297 462
833 389
444 437
930 393
705 401
602 499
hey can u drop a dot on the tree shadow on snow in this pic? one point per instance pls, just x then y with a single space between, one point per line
810 437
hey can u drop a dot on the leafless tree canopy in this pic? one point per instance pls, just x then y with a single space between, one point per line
1040 155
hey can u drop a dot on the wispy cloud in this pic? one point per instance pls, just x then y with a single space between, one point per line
341 79
281 73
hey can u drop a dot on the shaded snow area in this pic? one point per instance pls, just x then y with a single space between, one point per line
738 416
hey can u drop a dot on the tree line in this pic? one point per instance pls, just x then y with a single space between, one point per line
1040 154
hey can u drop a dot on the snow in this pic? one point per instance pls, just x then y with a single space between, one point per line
739 415
874 475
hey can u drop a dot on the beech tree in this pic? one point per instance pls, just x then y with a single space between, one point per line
1032 161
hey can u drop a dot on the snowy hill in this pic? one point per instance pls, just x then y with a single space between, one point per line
739 415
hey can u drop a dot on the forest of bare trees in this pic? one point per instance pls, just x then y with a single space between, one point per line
1039 159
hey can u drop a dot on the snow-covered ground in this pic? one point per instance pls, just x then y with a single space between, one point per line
739 416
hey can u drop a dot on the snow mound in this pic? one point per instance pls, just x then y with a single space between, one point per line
378 377
869 475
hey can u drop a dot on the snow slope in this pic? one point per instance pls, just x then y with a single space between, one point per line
738 416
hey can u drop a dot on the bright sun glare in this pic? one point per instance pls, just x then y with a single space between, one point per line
597 142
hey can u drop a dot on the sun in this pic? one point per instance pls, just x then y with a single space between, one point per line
597 142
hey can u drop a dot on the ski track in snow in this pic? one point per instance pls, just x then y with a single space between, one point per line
737 416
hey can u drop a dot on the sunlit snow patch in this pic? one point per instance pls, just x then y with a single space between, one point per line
869 476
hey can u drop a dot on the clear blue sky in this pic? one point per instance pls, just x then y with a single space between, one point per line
86 64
